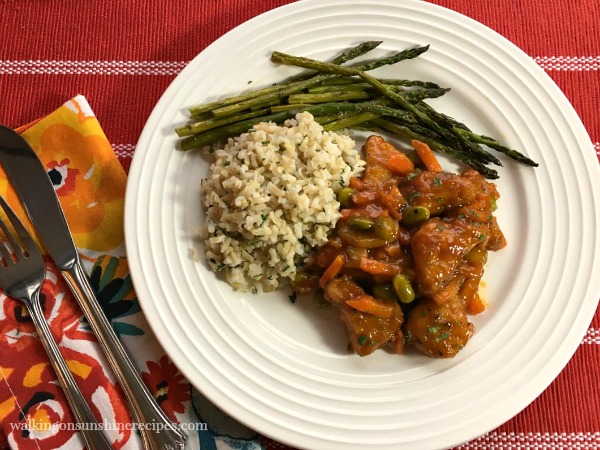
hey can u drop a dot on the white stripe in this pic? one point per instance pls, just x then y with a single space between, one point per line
56 67
569 63
52 67
537 441
591 337
124 150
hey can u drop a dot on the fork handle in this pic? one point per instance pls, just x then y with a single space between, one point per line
92 433
158 432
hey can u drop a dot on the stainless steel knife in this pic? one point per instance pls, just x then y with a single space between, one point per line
30 179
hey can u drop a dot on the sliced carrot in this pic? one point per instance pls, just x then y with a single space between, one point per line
427 156
476 305
334 268
375 267
399 163
367 304
356 183
393 201
393 250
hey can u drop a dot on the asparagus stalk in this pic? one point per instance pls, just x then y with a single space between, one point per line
327 68
493 143
233 129
349 121
353 53
205 125
327 97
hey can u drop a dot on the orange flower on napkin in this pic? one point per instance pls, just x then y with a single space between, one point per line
87 177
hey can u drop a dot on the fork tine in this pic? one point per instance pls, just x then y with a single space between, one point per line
26 238
4 247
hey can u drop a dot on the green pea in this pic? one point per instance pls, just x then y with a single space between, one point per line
345 196
384 291
301 277
476 256
403 288
415 215
360 223
319 299
386 228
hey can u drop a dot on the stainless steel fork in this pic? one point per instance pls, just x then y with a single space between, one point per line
22 272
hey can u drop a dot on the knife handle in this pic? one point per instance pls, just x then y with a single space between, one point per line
158 432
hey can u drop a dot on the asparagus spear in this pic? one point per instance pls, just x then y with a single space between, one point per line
349 121
233 129
353 53
327 68
493 143
292 88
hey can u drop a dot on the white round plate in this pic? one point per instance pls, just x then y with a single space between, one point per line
282 368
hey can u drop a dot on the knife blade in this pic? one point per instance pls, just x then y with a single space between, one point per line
34 187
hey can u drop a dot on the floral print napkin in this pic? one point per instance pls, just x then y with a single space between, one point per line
90 184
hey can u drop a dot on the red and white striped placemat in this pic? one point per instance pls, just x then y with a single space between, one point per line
123 55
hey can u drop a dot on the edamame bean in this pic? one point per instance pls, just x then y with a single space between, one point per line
360 223
403 288
384 291
319 299
386 228
345 196
415 215
477 256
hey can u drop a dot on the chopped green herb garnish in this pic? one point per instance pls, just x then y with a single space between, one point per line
437 181
434 329
362 340
413 195
440 228
442 337
411 176
265 142
226 163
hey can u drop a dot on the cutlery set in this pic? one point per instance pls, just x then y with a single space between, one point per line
22 272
